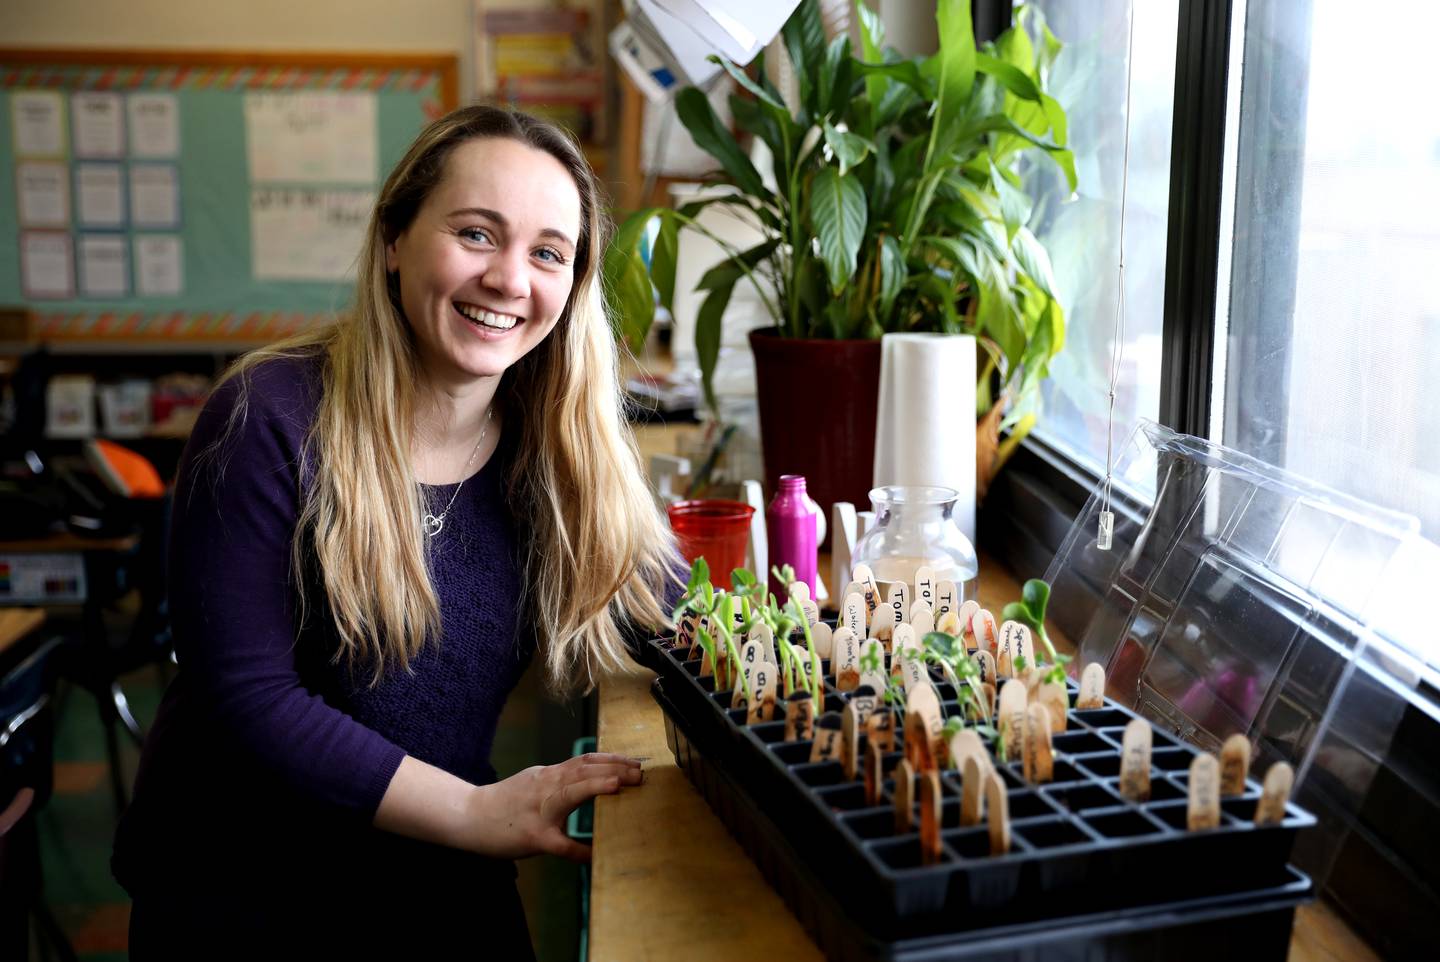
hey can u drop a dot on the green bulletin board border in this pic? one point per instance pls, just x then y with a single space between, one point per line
432 77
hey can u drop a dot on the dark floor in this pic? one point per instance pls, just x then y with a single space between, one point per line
76 826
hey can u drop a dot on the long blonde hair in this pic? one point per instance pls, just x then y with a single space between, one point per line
599 553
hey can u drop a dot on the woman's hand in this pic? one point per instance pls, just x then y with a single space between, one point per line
525 814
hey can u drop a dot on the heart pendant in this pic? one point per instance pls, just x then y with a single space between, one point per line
432 525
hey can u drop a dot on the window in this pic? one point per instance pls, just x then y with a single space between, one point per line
1333 329
1083 233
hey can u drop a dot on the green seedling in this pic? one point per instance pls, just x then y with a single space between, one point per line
1030 612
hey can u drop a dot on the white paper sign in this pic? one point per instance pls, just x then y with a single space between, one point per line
104 265
38 122
100 195
159 265
154 195
154 125
47 266
98 119
311 138
303 234
44 194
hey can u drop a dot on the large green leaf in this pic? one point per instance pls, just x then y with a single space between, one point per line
1012 78
872 40
906 72
708 330
1015 204
998 317
892 272
804 35
956 61
730 270
631 298
837 215
835 77
663 258
715 139
1032 258
850 149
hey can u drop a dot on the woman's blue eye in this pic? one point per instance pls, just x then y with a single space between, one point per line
470 233
555 256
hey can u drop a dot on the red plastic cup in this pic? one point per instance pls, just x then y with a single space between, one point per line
715 530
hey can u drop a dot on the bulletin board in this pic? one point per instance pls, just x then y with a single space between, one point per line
164 196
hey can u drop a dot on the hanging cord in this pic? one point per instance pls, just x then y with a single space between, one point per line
1117 347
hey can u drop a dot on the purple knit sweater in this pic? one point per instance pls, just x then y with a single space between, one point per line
267 761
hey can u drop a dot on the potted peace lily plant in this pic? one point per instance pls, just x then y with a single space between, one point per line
895 203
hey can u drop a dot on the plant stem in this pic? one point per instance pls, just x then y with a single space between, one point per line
734 254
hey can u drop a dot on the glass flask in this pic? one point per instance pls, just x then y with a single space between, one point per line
916 526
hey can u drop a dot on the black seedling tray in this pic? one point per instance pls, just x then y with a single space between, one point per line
1077 846
1257 920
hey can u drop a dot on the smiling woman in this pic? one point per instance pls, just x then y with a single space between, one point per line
377 525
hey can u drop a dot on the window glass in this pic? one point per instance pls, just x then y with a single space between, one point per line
1333 329
1082 233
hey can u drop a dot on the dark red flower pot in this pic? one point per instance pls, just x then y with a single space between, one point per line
817 413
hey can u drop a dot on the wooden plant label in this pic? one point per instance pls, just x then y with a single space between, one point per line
872 665
737 696
755 652
854 588
1092 687
1011 714
912 670
997 810
864 701
985 662
925 585
1203 811
685 631
922 621
866 577
1056 700
763 636
949 622
827 738
904 776
982 626
890 614
880 729
799 592
1014 643
1234 765
1039 762
850 741
696 649
923 728
845 660
964 743
707 668
1135 761
966 614
972 791
903 637
1033 678
799 717
930 818
800 670
762 709
823 639
1279 779
874 773
947 599
988 700
852 614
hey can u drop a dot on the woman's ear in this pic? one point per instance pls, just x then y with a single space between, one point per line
392 258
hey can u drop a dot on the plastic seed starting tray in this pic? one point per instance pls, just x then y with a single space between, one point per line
1197 929
1077 846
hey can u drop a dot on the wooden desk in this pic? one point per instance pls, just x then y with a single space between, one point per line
16 623
667 882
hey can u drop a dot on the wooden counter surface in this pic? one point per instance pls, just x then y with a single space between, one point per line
668 882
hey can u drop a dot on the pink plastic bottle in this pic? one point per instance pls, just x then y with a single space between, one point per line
791 520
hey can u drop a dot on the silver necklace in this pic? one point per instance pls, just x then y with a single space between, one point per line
432 523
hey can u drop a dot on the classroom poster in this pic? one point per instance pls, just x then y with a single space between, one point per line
312 138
